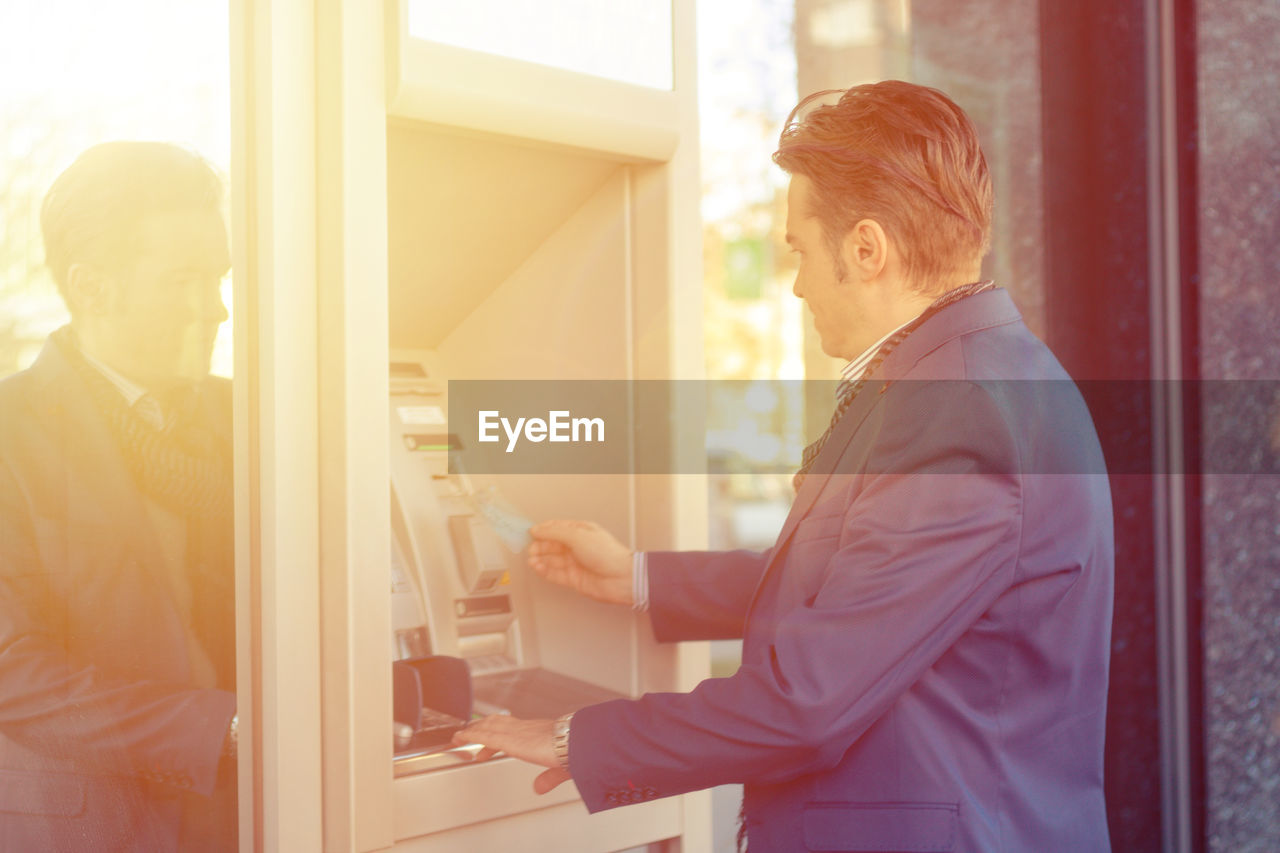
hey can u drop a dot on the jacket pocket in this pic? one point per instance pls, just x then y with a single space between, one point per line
859 827
46 794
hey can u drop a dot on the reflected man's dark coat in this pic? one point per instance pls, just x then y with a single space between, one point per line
101 731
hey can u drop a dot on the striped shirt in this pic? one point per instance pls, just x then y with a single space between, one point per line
139 399
852 372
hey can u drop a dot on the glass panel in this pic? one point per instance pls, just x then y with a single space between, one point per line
624 40
754 329
116 558
754 59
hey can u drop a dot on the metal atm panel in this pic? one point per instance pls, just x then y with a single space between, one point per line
475 597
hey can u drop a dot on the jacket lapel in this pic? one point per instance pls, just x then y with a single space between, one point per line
831 454
981 311
98 492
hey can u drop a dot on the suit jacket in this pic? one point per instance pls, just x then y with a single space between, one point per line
101 732
925 652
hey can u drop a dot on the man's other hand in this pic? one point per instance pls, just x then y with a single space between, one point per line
583 556
528 740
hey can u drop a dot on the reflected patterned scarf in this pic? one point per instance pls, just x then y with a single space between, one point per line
186 468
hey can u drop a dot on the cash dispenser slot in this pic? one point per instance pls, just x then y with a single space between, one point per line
479 554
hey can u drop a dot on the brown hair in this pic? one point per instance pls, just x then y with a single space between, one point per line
905 156
93 209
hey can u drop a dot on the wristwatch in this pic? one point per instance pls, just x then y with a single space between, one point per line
560 739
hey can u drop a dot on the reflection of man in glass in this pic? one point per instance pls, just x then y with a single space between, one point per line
925 647
116 587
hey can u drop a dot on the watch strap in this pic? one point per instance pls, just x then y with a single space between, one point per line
560 739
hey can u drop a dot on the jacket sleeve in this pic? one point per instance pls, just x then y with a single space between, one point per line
926 546
701 595
107 722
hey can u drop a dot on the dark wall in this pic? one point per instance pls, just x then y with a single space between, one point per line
1098 321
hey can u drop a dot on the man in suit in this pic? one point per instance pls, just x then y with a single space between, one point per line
117 704
925 647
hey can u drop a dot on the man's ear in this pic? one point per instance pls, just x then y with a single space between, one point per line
866 249
88 289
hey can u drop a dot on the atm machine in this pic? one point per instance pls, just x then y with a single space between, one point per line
541 225
460 585
446 209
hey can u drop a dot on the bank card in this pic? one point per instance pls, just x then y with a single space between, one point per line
511 528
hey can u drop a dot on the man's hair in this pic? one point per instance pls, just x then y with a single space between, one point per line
900 154
93 211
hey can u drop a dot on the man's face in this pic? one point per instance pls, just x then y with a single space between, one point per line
837 316
162 312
